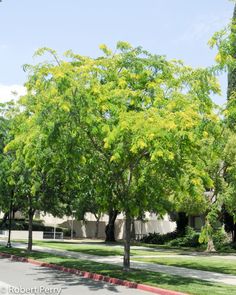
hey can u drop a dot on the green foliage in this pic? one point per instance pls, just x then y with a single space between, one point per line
128 130
37 226
160 239
225 41
220 238
229 187
187 239
190 239
125 129
7 175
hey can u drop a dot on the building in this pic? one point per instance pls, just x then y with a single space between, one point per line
87 228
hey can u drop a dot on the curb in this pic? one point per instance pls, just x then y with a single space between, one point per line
93 276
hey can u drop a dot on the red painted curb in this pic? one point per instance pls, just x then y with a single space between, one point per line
159 291
93 276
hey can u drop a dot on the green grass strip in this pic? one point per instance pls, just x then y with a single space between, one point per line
188 285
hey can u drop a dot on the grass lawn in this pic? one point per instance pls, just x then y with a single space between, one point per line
225 250
102 249
96 249
171 248
200 262
188 285
116 249
221 265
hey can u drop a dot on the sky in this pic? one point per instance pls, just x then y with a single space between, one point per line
179 29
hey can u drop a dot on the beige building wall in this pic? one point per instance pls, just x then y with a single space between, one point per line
22 234
87 228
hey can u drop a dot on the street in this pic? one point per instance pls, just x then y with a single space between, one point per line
24 278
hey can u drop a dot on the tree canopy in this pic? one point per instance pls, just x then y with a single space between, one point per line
127 130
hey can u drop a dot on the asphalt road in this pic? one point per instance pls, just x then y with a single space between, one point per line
25 278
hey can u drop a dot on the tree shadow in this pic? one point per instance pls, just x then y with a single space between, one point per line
161 279
59 278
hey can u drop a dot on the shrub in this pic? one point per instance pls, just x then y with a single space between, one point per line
161 239
67 232
20 224
220 238
187 239
190 239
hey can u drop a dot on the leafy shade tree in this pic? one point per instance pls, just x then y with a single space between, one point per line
229 223
232 69
181 219
4 128
136 121
215 167
41 174
229 187
8 192
222 197
110 227
225 42
89 199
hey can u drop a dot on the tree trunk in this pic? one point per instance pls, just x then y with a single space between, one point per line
30 230
110 227
4 219
10 221
9 227
210 243
132 230
232 72
97 225
181 222
97 228
127 238
210 246
232 84
234 234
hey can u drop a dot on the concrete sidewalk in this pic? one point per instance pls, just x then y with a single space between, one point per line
117 260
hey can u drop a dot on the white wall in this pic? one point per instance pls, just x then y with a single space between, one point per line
87 229
23 234
145 227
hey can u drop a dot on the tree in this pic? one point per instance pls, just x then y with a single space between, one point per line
225 41
133 120
229 223
8 192
37 178
232 70
4 129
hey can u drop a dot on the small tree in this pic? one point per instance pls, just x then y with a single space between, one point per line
223 166
8 191
35 175
131 119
